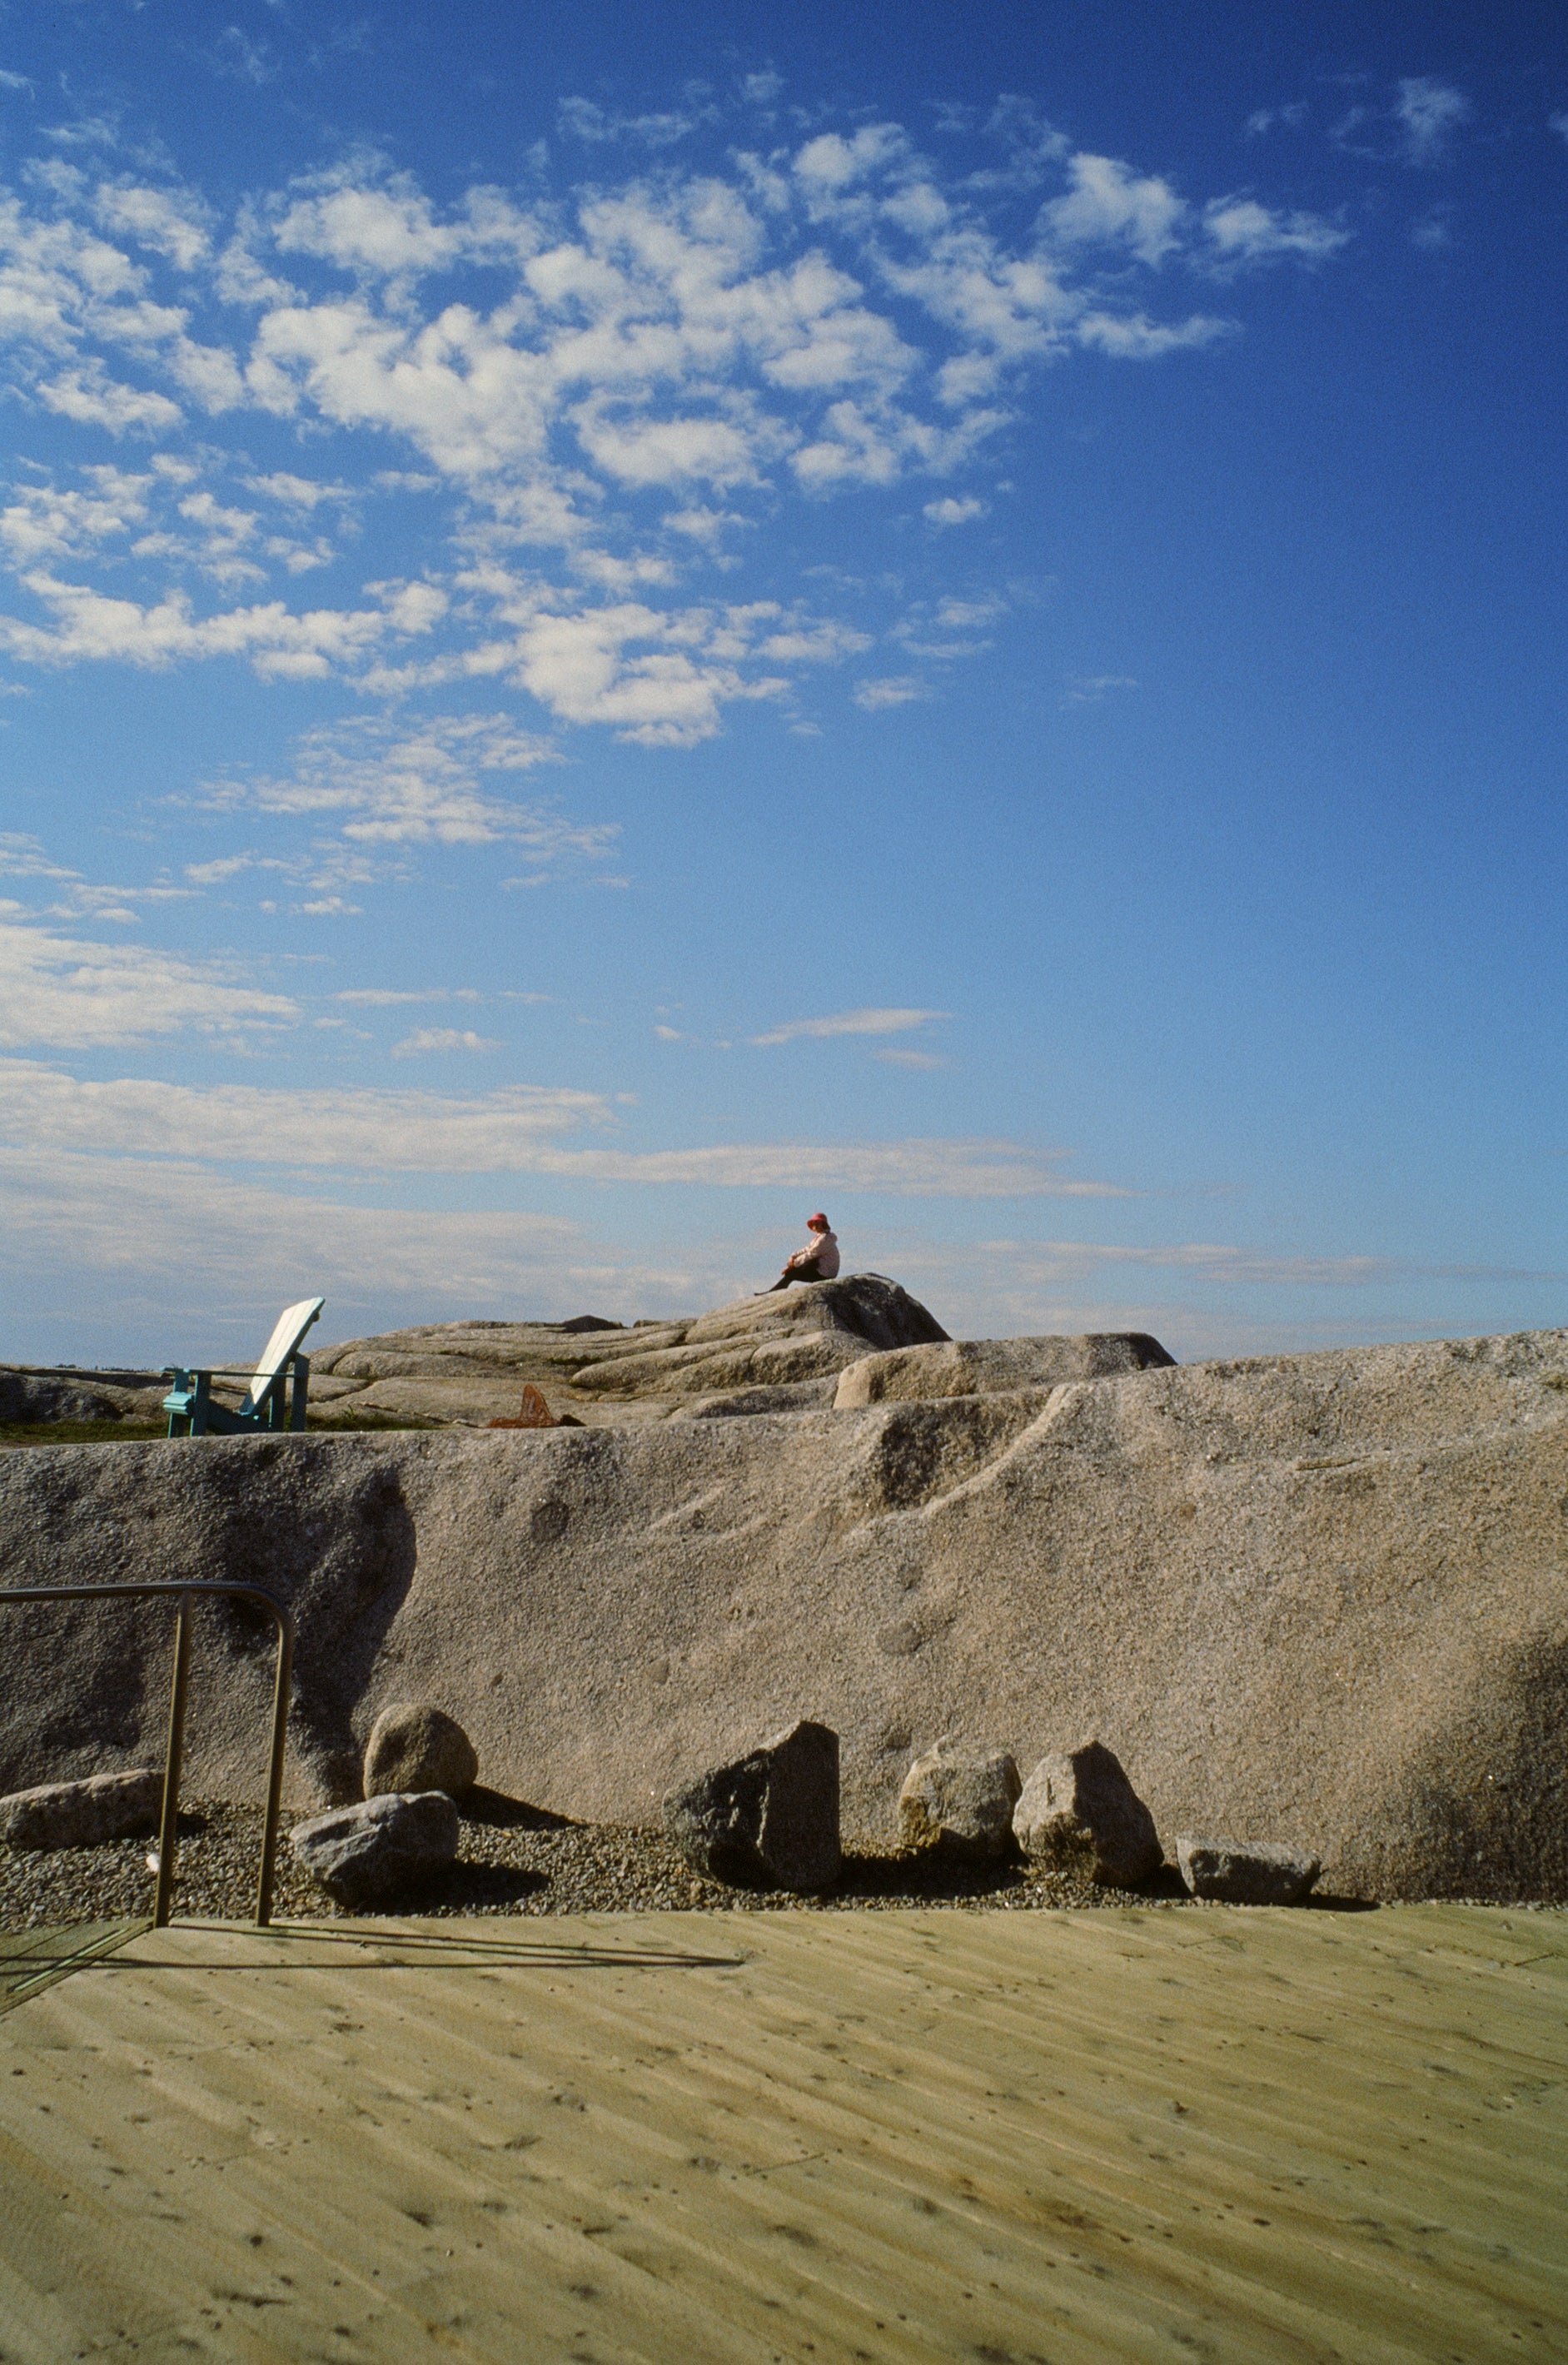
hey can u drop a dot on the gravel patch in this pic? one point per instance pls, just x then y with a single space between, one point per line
512 1859
517 1859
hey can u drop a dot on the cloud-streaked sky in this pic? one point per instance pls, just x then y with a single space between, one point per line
614 624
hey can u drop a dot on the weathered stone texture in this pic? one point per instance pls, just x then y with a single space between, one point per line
766 1819
370 1852
1078 1814
1323 1595
959 1797
414 1747
83 1814
1246 1872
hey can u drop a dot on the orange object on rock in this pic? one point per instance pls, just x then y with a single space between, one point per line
533 1413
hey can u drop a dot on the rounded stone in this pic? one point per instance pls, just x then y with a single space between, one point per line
415 1747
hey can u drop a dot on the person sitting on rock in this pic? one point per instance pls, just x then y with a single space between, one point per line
818 1260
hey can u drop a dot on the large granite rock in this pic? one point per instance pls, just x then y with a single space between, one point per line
415 1747
963 1367
960 1798
1321 1594
1078 1814
374 1852
1246 1872
610 1376
767 1820
83 1814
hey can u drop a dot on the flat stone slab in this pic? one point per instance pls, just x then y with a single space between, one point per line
1246 1872
83 1814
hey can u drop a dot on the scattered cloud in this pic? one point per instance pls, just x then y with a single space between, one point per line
658 361
952 510
1093 688
69 992
441 1038
393 780
516 1129
889 689
848 1022
1430 114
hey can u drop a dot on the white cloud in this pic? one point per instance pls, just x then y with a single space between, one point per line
443 1038
397 1132
951 510
437 781
93 399
1107 204
880 691
171 221
844 313
849 1021
1429 114
1242 230
65 990
513 1130
1091 689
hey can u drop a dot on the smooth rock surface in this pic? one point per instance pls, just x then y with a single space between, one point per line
1078 1814
363 1854
85 1813
1246 1872
768 1819
964 1367
415 1747
610 1376
959 1797
1321 1593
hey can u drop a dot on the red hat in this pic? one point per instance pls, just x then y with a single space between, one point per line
820 1218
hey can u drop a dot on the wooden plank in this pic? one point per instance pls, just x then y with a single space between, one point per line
34 1959
812 2136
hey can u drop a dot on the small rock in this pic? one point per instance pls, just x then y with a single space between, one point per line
768 1819
959 1797
1247 1872
83 1814
416 1748
364 1852
1078 1814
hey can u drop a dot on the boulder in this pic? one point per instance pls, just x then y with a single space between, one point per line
1246 1872
362 1853
959 1797
1078 1814
85 1813
412 1747
768 1819
963 1367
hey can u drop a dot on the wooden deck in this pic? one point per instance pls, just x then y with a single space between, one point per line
1050 2138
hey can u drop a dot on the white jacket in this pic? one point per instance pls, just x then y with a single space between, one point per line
823 1252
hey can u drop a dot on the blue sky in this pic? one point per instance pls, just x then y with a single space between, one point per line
616 624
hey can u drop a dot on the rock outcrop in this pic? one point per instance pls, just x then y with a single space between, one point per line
967 1367
960 1798
370 1852
607 1376
768 1819
1078 1814
1322 1594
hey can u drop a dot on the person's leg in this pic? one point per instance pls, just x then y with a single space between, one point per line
793 1273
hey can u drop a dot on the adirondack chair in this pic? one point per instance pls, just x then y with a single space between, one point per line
276 1398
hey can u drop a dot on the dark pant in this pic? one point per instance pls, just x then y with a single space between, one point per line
794 1273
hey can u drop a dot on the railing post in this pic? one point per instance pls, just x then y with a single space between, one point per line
169 1822
275 1766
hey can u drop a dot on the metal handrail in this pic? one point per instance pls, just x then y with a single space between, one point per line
174 1755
